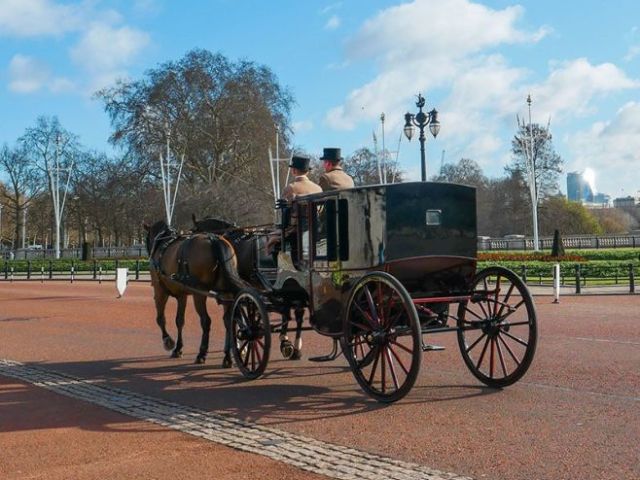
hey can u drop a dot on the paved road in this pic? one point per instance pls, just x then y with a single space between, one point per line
576 414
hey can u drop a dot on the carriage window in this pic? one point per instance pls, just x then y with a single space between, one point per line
433 217
324 230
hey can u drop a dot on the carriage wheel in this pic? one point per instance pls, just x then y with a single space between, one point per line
497 329
250 334
382 338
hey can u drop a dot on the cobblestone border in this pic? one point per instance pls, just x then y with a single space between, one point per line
312 455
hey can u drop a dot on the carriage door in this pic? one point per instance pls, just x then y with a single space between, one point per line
303 233
323 239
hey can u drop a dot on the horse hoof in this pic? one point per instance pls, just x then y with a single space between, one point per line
226 363
296 355
200 360
168 343
175 354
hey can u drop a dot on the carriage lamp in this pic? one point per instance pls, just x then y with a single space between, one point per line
421 120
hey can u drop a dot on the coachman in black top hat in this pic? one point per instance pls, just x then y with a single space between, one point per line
334 177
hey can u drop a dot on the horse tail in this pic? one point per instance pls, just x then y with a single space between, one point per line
225 253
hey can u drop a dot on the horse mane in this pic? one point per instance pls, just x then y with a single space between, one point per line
211 225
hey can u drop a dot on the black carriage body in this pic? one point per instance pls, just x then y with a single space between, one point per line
422 233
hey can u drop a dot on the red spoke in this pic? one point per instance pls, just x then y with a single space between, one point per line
258 352
383 369
361 326
491 357
245 361
253 356
506 299
380 304
392 368
406 349
399 360
500 356
365 315
484 349
515 359
476 342
373 370
495 306
474 314
514 338
372 307
390 307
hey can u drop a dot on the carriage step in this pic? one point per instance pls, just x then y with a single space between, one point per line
431 348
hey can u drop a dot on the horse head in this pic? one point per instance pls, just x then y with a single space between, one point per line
153 232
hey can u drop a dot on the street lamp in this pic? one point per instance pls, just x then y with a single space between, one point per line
421 120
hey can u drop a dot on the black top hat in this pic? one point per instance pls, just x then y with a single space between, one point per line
332 155
300 163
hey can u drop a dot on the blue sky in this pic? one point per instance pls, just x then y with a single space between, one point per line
348 61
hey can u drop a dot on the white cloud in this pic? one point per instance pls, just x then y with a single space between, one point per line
302 126
612 149
420 46
28 18
104 48
331 7
571 87
432 28
332 23
26 74
29 75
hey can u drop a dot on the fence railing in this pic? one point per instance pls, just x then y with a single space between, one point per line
576 276
137 251
574 241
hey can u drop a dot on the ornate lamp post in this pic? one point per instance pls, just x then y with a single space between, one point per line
421 120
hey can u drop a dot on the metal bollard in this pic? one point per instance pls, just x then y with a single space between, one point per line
100 275
28 269
72 272
41 274
50 269
632 280
524 273
137 269
578 279
556 283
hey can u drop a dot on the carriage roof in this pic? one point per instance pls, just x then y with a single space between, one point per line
377 224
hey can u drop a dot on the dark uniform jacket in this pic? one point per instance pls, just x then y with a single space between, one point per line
335 179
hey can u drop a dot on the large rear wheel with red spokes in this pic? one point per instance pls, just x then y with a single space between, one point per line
250 334
497 328
382 338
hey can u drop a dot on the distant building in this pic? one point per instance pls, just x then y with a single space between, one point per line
574 186
629 201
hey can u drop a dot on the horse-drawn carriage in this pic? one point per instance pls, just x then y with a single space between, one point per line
378 269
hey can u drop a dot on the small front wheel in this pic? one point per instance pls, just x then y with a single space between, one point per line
497 328
382 337
250 334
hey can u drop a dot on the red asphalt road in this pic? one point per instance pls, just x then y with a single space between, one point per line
576 414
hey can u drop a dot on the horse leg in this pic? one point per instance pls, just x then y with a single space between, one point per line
226 361
161 296
297 346
182 306
286 347
200 303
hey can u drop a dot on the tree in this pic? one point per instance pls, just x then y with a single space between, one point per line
614 220
52 149
362 165
465 172
25 182
218 115
508 207
571 217
546 162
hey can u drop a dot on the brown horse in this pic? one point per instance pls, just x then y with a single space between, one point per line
190 265
245 242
